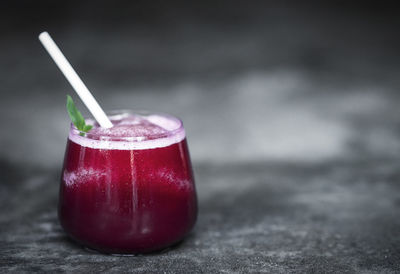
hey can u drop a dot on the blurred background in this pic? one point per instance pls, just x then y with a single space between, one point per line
292 114
252 81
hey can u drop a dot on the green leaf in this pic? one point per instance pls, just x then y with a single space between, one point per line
76 116
86 128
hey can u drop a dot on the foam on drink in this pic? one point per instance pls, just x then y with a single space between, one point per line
132 131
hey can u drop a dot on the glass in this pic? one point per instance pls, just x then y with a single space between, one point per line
128 194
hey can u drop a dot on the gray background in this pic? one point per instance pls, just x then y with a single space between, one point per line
291 112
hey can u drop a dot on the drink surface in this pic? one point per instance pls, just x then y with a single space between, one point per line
131 131
128 189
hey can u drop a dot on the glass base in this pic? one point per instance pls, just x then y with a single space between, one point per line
161 251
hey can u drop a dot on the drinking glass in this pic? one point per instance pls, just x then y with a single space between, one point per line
128 194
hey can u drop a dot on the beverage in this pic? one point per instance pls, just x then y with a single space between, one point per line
130 188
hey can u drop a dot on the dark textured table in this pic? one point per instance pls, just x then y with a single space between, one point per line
292 117
338 217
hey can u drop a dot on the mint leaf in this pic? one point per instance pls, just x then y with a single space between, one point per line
86 128
76 116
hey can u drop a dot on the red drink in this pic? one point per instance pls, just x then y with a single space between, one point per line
128 189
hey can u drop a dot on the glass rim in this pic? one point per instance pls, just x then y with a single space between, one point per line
101 137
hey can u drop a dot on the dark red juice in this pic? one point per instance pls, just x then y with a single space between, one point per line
129 189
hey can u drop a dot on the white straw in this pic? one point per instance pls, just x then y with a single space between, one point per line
74 80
